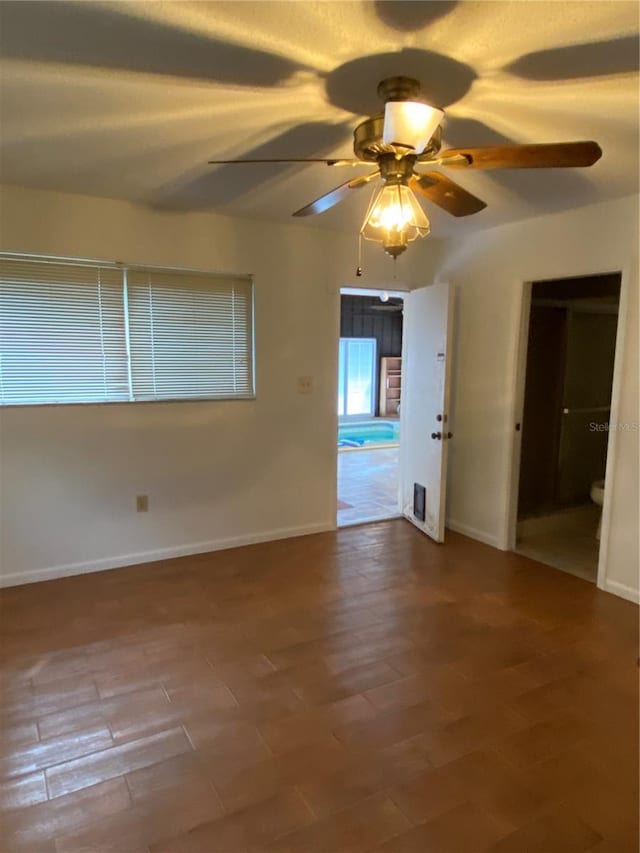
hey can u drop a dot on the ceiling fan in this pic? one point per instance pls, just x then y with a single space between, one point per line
406 135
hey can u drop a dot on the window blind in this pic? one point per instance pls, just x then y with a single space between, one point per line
62 337
190 335
83 332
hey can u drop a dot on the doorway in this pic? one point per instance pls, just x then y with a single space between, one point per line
357 377
568 381
369 394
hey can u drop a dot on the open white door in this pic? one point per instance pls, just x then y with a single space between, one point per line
426 432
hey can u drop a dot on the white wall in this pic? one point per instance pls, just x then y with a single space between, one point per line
489 270
217 473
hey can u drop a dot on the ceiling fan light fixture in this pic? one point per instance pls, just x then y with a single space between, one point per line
394 219
410 124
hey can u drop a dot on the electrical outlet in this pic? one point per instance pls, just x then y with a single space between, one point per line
305 384
142 503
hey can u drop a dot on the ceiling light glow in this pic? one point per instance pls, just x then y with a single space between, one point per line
394 218
410 124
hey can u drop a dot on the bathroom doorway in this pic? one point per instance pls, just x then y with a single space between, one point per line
570 354
369 392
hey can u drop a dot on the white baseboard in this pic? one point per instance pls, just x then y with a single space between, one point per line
373 519
474 533
622 590
122 560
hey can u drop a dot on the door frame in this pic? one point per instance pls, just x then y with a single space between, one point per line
397 289
515 444
374 380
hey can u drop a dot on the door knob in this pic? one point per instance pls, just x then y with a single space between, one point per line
436 435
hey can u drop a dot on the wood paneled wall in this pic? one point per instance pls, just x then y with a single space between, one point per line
361 318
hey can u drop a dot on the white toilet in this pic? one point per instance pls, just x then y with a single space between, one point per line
597 496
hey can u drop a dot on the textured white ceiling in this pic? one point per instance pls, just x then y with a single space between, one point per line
130 99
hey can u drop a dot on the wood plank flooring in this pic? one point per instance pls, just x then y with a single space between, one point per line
365 690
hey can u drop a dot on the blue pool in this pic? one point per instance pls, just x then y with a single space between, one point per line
371 433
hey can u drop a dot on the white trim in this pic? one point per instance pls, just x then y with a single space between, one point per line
127 330
123 560
374 291
474 533
612 443
519 349
374 519
520 346
92 262
343 367
622 590
357 291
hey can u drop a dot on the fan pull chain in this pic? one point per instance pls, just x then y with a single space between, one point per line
359 267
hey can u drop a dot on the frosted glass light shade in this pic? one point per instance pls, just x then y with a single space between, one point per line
394 219
410 124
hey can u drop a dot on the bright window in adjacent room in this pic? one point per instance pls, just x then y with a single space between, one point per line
356 376
82 332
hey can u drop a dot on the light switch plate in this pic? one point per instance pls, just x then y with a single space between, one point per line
305 384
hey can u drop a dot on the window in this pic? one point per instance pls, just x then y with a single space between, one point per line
356 376
81 332
190 335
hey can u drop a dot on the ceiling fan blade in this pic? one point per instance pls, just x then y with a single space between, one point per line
338 194
555 155
446 194
328 162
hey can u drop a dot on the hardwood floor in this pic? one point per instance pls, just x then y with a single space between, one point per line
359 691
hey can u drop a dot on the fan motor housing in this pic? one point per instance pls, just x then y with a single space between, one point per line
396 170
399 89
368 144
